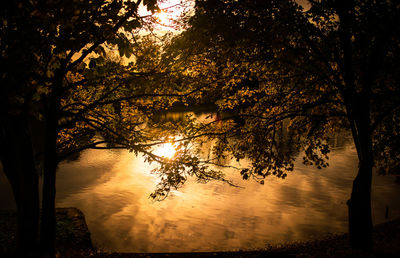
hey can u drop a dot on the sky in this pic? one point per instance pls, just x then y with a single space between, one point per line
171 10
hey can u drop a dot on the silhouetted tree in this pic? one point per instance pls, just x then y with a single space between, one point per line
53 103
276 67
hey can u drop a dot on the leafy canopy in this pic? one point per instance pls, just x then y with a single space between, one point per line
288 79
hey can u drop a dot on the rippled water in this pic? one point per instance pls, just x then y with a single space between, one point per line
112 188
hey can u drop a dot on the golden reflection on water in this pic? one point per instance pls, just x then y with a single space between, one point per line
166 150
112 188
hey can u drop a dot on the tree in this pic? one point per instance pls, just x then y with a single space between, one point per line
55 103
286 74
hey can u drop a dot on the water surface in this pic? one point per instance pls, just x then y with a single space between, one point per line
112 188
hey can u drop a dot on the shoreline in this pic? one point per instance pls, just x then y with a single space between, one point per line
386 239
72 236
73 240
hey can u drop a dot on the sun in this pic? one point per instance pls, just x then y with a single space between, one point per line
167 18
166 150
163 18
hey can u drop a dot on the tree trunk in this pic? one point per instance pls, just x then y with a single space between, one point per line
48 220
359 207
17 156
27 202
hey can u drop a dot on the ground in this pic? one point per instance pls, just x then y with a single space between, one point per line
73 237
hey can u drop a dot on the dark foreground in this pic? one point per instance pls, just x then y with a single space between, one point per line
73 237
73 240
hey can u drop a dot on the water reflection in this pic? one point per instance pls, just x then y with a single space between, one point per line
112 188
213 216
166 150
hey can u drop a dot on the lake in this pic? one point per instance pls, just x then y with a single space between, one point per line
112 188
